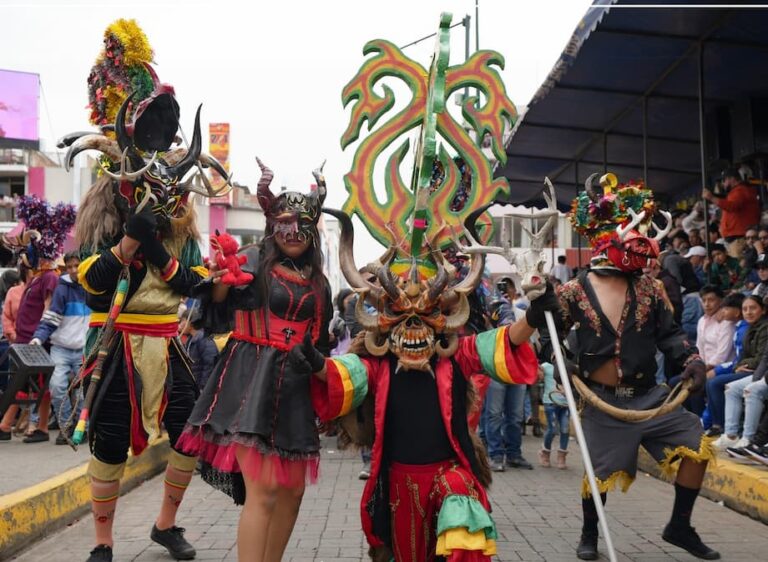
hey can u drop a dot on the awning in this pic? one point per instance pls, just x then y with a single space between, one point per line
630 71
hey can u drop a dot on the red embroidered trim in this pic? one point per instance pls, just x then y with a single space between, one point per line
290 276
171 270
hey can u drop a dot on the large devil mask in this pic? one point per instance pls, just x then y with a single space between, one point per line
147 169
414 318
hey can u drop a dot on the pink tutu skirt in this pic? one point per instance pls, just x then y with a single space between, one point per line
248 455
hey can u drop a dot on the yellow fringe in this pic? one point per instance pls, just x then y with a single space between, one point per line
460 538
137 49
706 452
620 477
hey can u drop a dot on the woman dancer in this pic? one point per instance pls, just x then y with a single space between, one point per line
254 425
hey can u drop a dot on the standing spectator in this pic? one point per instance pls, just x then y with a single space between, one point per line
340 336
725 270
65 323
561 271
740 210
35 299
506 403
200 347
558 421
9 279
696 257
12 302
761 289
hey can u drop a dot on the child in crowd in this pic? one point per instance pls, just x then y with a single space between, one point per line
558 419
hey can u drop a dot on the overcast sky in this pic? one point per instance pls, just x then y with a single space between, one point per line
274 70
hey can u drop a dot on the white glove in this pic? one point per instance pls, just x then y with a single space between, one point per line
35 341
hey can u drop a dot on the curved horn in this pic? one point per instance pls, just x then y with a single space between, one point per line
589 189
387 279
366 320
69 138
662 232
346 257
372 347
438 283
320 179
29 236
193 151
450 348
477 262
92 142
459 317
125 175
124 141
263 193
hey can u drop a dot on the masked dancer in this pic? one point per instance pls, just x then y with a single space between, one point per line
137 232
254 425
620 316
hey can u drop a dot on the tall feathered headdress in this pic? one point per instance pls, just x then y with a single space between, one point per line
52 223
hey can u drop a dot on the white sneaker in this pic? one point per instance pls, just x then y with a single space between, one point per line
743 442
723 442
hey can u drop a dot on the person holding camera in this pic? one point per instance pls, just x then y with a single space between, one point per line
740 209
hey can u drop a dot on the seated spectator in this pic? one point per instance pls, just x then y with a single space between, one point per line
751 253
694 238
757 450
696 257
754 346
680 242
724 270
714 332
744 396
761 289
714 234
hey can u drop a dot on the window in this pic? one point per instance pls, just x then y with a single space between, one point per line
10 186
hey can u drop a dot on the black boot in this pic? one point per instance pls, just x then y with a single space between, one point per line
587 549
688 539
537 432
101 553
173 539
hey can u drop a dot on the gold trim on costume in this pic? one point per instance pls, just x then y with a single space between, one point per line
620 477
105 472
181 462
136 318
706 452
82 270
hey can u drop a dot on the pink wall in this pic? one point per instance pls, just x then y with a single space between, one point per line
36 182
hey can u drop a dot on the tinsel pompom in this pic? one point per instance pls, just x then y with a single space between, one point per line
53 223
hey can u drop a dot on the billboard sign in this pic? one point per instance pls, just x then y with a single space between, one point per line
19 109
218 134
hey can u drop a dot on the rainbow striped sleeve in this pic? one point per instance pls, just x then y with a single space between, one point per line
503 362
345 387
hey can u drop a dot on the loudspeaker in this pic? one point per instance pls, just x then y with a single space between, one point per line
749 128
30 370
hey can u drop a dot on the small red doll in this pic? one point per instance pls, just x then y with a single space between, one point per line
226 258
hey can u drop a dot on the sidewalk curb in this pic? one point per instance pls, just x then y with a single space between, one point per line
29 514
741 487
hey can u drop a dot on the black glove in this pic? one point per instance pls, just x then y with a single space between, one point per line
697 371
548 301
142 227
155 253
305 358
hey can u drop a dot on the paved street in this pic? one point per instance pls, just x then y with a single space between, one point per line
537 513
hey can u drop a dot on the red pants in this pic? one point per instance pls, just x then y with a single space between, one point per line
416 493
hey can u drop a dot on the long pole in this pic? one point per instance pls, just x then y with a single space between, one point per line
467 21
702 152
579 434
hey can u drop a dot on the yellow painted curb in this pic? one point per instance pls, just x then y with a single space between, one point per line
741 487
30 513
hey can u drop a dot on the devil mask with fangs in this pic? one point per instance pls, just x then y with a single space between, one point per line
415 318
155 181
291 215
617 223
